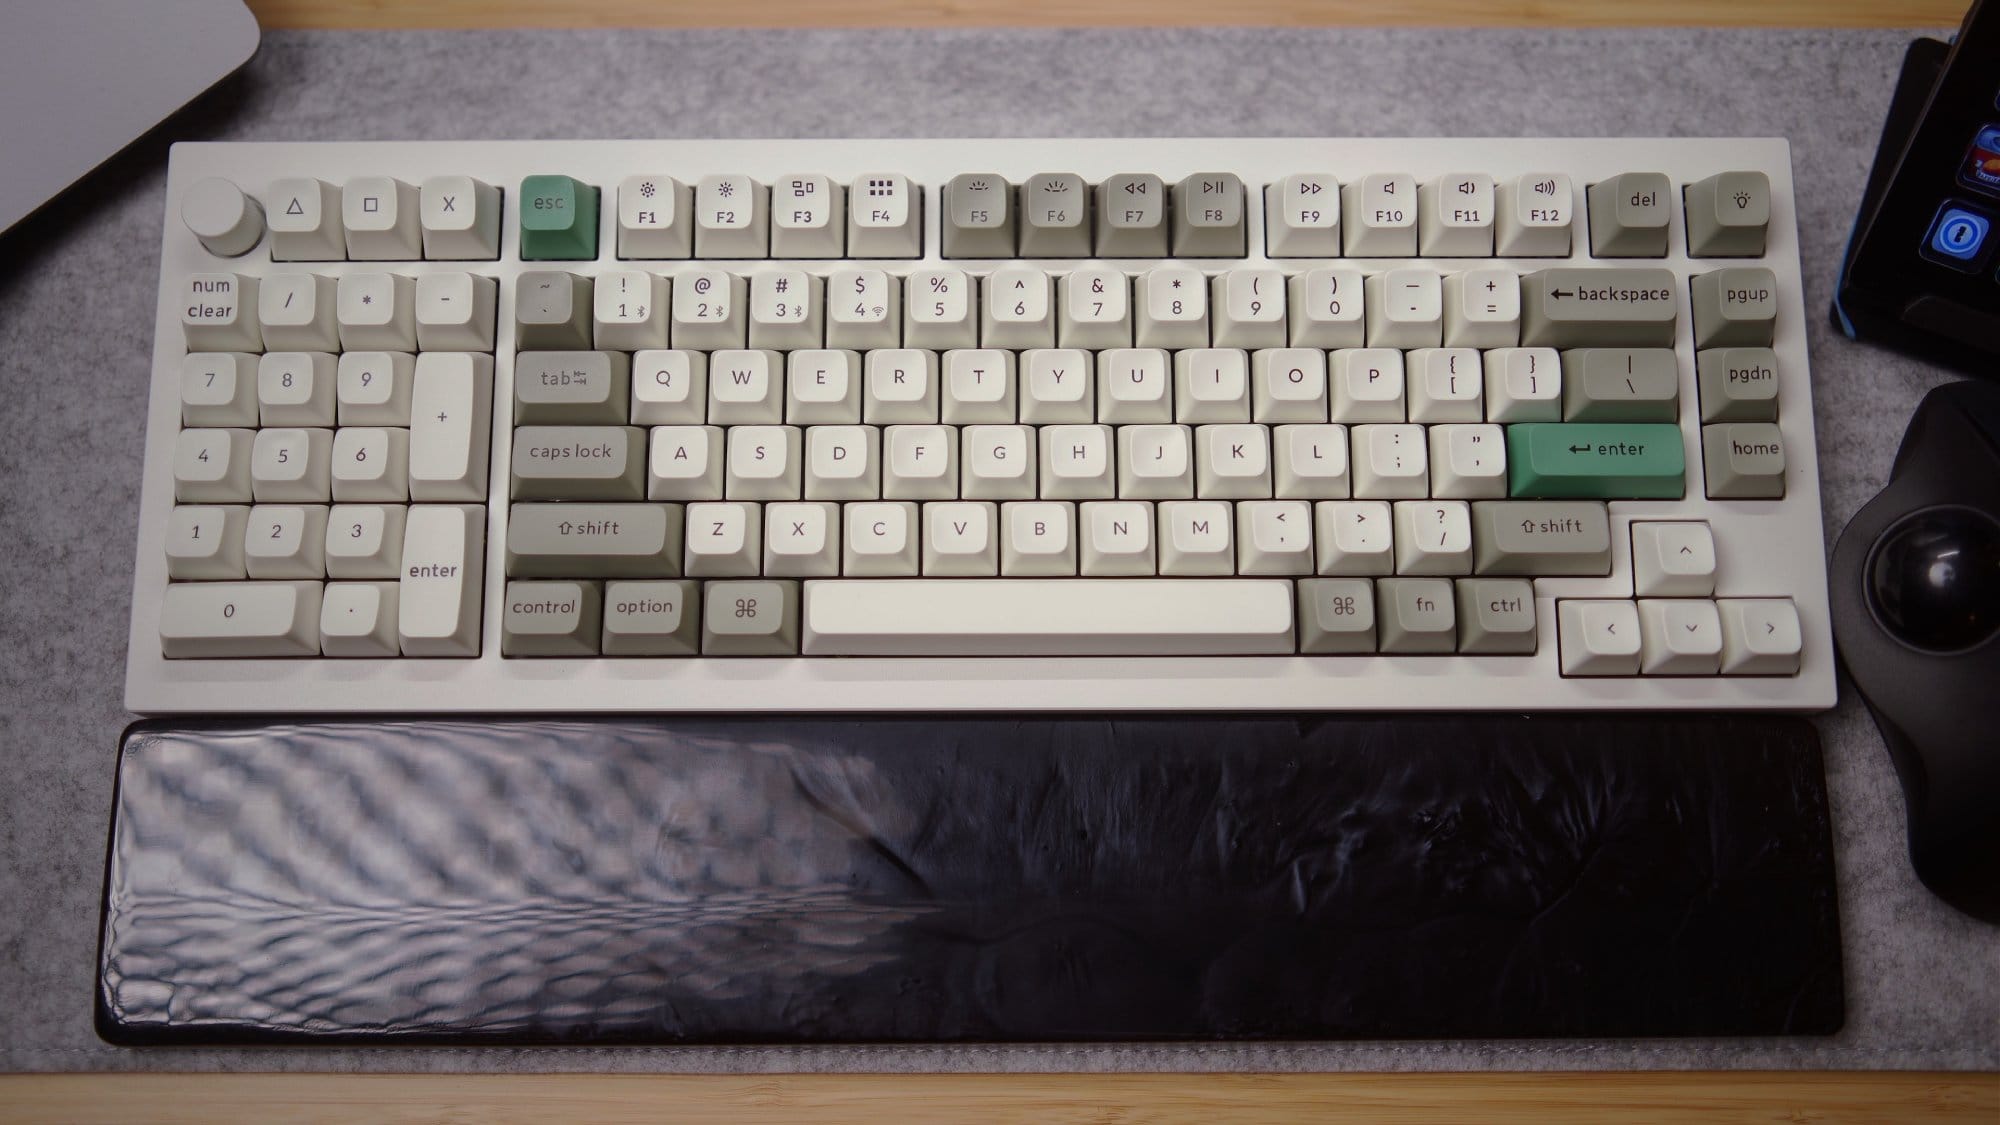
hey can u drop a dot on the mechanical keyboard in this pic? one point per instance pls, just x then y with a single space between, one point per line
980 424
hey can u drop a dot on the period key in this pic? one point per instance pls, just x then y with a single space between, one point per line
558 219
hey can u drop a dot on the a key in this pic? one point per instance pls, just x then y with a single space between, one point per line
731 219
961 539
552 311
1018 310
1195 538
864 309
708 310
881 540
1455 216
802 540
1482 308
578 463
451 421
808 217
365 541
1208 216
219 313
358 619
1302 216
285 541
1389 462
1249 309
684 463
1057 385
654 217
443 568
571 388
979 387
1679 637
1096 309
885 217
1416 615
1496 616
1672 559
997 463
1737 384
552 619
572 540
1055 216
296 389
1628 216
1621 385
1077 463
1155 462
652 618
377 311
1524 385
1134 385
1468 462
1368 385
455 312
1535 214
668 387
920 463
296 313
940 312
1274 537
1211 385
1038 539
304 217
746 388
1328 309
765 463
382 220
1309 462
1760 637
1566 308
724 540
206 541
978 216
1598 638
750 619
460 218
1132 216
902 386
629 311
1354 537
219 389
1433 537
1336 615
370 463
202 620
1116 538
1288 385
1172 304
291 465
1633 460
1232 462
1734 307
1379 214
1743 461
212 466
1728 215
822 387
1405 308
1445 385
785 310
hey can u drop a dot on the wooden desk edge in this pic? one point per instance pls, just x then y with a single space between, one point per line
1659 1098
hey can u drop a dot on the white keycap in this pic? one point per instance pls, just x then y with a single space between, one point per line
1172 304
1433 537
1194 538
285 541
206 541
296 313
808 217
960 539
232 619
843 463
1155 462
1760 637
1523 385
377 311
1096 309
365 540
460 218
1354 537
373 388
1535 213
1309 462
291 465
1672 559
219 389
653 217
451 424
864 309
1134 385
920 463
1018 310
1679 637
212 466
1380 214
885 217
304 217
1076 463
785 310
371 463
1211 385
1598 638
219 313
358 619
1249 308
381 217
1039 539
1057 385
708 310
443 566
455 312
1328 308
801 540
881 540
1482 308
939 310
1468 462
997 463
669 387
823 387
902 386
296 389
731 218
1302 216
628 311
765 463
1389 462
1232 462
1274 537
1455 216
1288 385
1368 385
979 387
1406 308
746 388
1445 385
724 540
1117 538
684 463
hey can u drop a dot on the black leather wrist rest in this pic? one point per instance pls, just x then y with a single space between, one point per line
794 879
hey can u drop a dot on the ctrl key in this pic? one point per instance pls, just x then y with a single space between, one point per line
235 619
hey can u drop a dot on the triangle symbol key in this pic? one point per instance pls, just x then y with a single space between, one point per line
295 208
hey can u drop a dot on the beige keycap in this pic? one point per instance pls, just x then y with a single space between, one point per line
1249 308
365 541
1445 385
1302 216
786 307
823 387
732 217
444 564
1672 559
1598 638
1760 637
200 620
1482 308
1354 537
1018 310
939 309
296 313
460 217
708 310
629 311
1679 637
684 463
724 540
1288 385
1038 539
1094 309
456 312
219 389
1309 462
296 389
1134 386
212 466
1368 385
1172 308
371 463
1389 462
1433 537
802 540
1524 385
979 386
358 619
1211 385
1455 215
285 541
885 217
1274 537
1155 462
1195 538
1232 462
881 540
864 309
1077 463
373 388
1329 309
1116 538
997 463
1379 216
377 311
1058 385
291 465
219 313
451 432
1468 462
901 387
382 218
920 463
746 388
206 541
961 539
669 387
843 463
1405 308
765 463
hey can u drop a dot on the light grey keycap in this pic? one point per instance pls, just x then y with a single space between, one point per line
1734 307
750 619
978 216
652 618
1728 215
1537 537
552 310
1620 385
1208 216
1628 216
579 463
594 541
223 619
1738 384
1132 216
1496 616
1566 308
1055 216
571 388
1336 615
206 541
1415 615
1743 460
551 619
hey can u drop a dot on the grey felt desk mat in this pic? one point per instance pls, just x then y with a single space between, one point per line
76 300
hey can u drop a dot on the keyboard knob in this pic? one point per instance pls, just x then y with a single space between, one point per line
226 221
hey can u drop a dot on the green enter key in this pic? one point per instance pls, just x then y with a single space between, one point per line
1606 461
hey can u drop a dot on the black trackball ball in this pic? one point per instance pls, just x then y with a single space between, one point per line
1934 579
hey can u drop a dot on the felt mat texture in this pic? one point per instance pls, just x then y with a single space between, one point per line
77 291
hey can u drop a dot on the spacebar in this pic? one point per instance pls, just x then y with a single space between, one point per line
1047 617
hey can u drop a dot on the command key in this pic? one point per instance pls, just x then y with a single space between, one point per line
1605 461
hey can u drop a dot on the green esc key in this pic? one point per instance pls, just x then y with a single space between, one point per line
558 219
1605 461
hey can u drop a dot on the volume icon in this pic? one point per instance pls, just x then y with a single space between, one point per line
1545 187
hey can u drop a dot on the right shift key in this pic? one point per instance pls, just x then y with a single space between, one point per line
1582 307
1603 461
